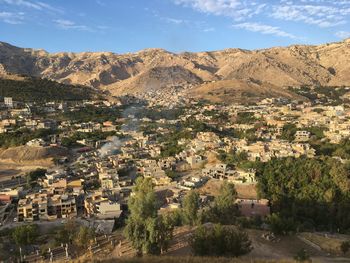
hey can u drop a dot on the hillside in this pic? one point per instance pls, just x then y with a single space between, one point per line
32 155
32 88
152 69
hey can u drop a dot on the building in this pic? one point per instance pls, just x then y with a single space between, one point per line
302 136
44 206
8 102
99 206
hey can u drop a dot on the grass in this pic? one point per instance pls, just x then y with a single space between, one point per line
167 259
328 244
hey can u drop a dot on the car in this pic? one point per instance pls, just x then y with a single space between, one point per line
15 219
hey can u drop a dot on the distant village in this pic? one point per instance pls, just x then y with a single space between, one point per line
179 153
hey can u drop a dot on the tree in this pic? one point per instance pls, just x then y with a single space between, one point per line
25 235
66 233
84 236
345 246
280 225
307 193
190 208
220 241
148 232
224 210
159 232
302 256
289 131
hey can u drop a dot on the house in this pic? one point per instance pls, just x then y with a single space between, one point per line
192 182
36 143
302 136
44 206
98 205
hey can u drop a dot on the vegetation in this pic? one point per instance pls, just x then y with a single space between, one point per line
22 136
159 113
220 241
170 142
36 89
190 210
345 246
71 233
232 159
302 256
95 136
92 114
245 118
306 194
327 95
33 176
326 148
148 232
223 210
25 234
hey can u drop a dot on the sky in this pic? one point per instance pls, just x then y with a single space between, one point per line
123 26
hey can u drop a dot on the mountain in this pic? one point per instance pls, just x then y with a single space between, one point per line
240 71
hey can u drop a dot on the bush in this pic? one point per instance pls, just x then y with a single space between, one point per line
220 241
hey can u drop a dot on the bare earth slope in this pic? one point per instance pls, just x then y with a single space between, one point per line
32 155
152 69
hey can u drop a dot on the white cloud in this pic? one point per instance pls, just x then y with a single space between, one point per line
23 3
209 29
264 29
343 34
11 18
37 5
328 14
68 24
174 20
237 9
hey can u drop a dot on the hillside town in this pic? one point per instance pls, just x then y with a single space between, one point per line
180 144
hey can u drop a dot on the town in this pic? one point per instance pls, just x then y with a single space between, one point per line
98 148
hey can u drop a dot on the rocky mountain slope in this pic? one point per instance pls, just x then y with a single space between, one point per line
151 69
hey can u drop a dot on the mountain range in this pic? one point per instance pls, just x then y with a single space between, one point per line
237 72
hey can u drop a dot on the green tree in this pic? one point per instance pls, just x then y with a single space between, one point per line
84 236
159 233
280 225
302 256
148 232
289 131
219 241
25 235
224 210
345 246
66 233
190 208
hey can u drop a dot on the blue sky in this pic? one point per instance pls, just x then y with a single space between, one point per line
177 25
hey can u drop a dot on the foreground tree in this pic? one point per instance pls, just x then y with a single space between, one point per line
147 232
224 210
220 241
84 237
190 208
25 235
345 246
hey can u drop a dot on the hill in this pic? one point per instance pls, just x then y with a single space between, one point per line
32 155
32 88
153 69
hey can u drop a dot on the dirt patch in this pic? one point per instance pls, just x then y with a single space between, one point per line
212 187
18 161
32 155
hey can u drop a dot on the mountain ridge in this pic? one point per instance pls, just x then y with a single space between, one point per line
154 69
